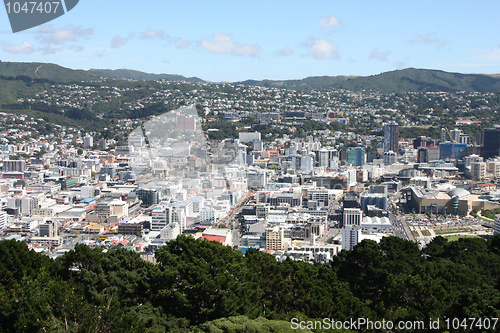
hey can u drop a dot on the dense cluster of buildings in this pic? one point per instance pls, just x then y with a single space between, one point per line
282 194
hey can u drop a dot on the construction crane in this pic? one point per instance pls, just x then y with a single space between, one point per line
452 144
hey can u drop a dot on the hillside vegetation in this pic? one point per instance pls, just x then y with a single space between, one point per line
47 71
130 74
202 286
406 80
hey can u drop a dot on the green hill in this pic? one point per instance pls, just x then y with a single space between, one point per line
130 74
405 80
46 71
313 82
21 80
412 79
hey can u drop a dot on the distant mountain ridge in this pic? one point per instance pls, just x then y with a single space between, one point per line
130 74
56 73
312 82
405 80
47 71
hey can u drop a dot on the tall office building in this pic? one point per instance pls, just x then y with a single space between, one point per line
443 135
478 170
14 166
455 134
352 216
390 157
491 142
323 158
420 141
3 219
149 197
161 217
350 237
102 144
88 142
422 155
356 156
391 137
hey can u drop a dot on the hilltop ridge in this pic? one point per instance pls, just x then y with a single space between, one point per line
403 80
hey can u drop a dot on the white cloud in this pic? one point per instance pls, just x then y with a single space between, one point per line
224 44
49 49
378 55
220 44
118 41
286 51
323 48
154 34
248 50
183 44
429 39
51 36
162 35
328 23
25 48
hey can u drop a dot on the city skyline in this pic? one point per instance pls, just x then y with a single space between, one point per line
225 41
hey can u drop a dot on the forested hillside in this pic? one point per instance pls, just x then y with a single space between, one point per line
404 80
130 74
201 286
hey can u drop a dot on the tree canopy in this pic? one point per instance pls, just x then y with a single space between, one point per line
202 286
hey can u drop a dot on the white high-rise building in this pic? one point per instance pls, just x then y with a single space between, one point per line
3 219
28 205
455 134
443 135
161 217
493 167
478 170
87 192
352 216
179 216
207 216
323 158
88 142
170 231
306 163
350 237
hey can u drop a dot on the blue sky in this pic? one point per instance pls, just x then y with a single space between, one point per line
238 40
